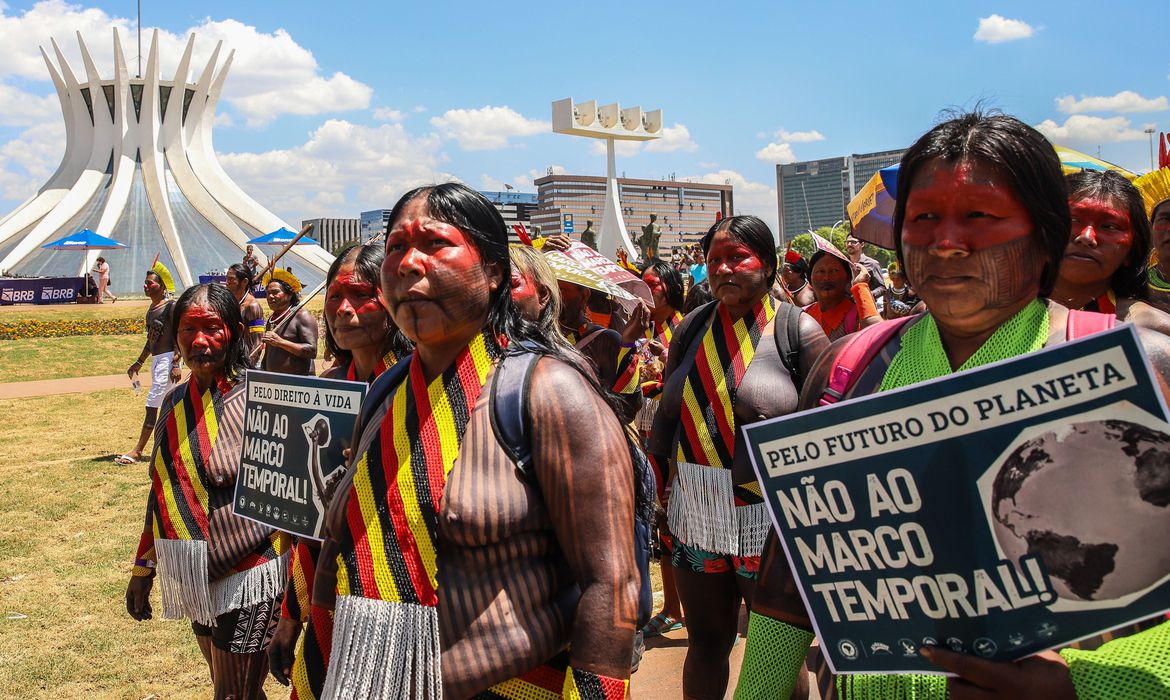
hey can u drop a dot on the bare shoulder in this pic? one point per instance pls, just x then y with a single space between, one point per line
1144 315
818 377
559 387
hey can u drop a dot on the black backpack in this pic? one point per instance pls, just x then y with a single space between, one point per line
510 423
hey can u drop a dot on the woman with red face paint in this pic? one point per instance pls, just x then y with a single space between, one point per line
844 302
360 334
649 333
981 226
725 369
1104 267
224 573
534 289
459 570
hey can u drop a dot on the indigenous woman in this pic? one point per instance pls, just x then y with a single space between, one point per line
651 332
1155 189
458 573
981 227
290 339
534 289
1104 266
724 371
359 333
844 302
222 572
794 272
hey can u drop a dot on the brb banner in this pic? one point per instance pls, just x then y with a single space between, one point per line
40 290
999 512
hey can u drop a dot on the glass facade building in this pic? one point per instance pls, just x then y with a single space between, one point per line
813 193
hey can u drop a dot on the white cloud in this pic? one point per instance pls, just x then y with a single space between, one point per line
341 169
489 183
776 153
1124 102
26 109
997 29
799 136
27 161
385 114
748 197
487 128
271 74
674 138
1080 128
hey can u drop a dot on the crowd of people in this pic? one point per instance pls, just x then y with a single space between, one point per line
461 561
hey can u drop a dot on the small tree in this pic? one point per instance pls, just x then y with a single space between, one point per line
336 250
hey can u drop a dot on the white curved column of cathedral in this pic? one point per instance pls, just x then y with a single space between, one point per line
139 166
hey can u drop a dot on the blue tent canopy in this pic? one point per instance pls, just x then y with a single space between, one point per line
85 240
282 236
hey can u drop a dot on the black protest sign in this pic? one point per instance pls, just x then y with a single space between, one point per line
1000 511
295 428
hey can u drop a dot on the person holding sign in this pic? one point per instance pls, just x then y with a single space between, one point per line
290 344
359 333
224 573
981 226
734 361
456 571
1104 266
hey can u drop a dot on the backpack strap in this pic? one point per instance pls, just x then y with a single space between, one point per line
379 390
589 338
1083 323
787 334
861 347
509 408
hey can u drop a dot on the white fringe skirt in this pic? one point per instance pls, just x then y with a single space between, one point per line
186 592
703 514
383 649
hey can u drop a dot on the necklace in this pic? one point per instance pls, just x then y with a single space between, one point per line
797 290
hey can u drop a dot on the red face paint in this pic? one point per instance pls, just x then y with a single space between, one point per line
526 295
964 206
738 276
354 311
657 288
203 338
434 279
1100 242
150 285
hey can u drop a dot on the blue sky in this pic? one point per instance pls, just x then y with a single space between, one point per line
333 108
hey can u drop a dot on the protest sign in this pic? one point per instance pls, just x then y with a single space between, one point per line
998 512
626 288
295 428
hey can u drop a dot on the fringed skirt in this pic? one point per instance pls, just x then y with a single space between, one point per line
703 512
186 592
385 650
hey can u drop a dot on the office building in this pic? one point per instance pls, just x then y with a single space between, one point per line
813 193
373 224
334 233
515 207
685 209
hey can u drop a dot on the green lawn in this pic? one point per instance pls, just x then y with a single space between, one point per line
74 356
69 524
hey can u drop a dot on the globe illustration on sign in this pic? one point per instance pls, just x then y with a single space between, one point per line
1091 500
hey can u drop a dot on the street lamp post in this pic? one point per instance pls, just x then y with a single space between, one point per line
609 122
1150 133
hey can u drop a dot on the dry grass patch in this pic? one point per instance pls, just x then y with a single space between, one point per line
69 525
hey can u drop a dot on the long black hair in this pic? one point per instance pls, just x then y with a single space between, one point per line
239 270
1128 280
367 265
671 279
752 232
1017 152
223 303
462 207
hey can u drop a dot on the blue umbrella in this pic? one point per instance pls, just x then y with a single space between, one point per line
282 236
85 240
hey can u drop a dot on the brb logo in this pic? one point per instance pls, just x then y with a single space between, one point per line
57 294
16 296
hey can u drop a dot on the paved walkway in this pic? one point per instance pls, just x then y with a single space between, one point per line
75 385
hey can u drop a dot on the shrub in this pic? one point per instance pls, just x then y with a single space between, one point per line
31 328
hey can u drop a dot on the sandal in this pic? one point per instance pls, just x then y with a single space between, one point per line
660 624
125 460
